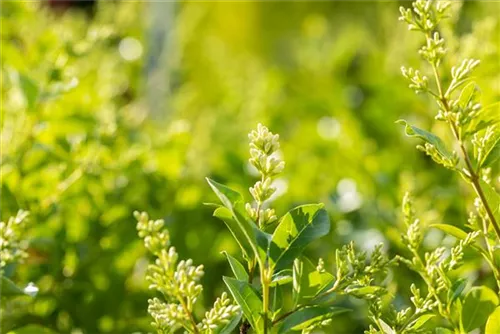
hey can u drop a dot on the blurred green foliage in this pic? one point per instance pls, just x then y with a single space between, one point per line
106 115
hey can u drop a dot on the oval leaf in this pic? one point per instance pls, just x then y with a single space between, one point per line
296 230
493 324
479 303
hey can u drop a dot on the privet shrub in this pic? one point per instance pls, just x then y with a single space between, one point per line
275 286
276 289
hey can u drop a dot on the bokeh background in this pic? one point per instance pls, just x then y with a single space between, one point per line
127 105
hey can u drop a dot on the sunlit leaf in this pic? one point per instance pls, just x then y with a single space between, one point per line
478 305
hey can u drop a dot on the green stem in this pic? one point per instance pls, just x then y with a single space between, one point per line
189 314
473 175
265 297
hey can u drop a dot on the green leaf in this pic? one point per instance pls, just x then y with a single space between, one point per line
30 90
478 305
420 321
32 329
244 231
276 294
9 288
469 93
282 277
308 316
413 131
308 281
238 270
493 199
493 323
225 215
492 155
229 327
442 330
249 301
386 329
451 230
227 196
456 290
296 230
360 292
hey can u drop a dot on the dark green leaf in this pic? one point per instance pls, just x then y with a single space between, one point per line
456 290
32 329
478 305
9 288
296 230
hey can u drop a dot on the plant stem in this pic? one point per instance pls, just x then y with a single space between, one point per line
473 175
265 297
189 314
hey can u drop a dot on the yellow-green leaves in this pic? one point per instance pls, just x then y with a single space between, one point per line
296 230
479 303
493 324
308 317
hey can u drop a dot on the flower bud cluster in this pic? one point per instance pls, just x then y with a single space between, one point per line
418 82
433 51
449 162
263 156
425 14
485 143
178 282
220 314
156 237
12 245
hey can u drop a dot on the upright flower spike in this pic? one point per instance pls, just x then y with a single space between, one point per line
263 156
179 283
